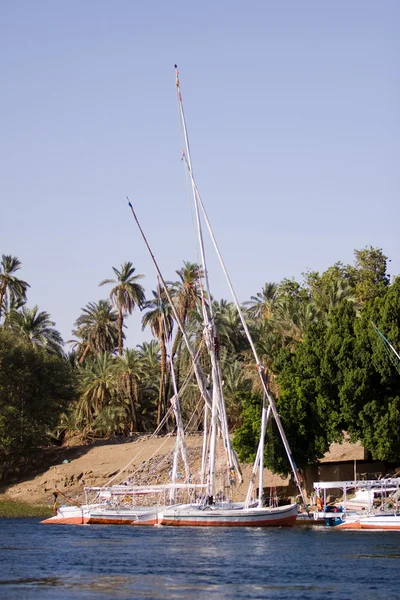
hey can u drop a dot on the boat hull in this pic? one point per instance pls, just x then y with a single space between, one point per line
123 517
283 516
386 522
100 515
69 515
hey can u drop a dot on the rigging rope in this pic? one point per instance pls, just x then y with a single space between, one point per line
155 433
390 350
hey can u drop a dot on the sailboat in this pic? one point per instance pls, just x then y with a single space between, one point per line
128 504
211 512
205 505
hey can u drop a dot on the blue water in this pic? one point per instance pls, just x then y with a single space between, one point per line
99 562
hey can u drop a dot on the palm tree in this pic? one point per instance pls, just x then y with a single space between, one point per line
149 353
293 318
125 295
37 328
330 296
97 328
229 326
129 373
160 320
111 420
235 381
261 306
10 304
9 283
97 388
187 299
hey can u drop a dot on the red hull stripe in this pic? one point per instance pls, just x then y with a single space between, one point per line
358 525
66 521
105 521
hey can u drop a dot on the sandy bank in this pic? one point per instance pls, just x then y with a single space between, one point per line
148 460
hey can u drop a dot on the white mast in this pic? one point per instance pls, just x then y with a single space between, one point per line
259 454
218 405
262 445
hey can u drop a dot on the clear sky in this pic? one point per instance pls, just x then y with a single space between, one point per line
292 109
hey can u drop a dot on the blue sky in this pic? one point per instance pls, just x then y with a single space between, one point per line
292 109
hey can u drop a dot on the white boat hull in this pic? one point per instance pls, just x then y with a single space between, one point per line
281 516
379 521
104 515
70 515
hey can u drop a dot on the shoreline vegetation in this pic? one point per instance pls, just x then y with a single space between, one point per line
13 509
321 340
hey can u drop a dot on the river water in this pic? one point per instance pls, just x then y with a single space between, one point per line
99 562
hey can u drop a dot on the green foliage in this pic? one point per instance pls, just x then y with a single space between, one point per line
36 328
371 278
247 436
13 509
12 289
35 388
96 330
328 369
125 295
370 394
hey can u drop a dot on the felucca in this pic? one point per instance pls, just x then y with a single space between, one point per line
209 506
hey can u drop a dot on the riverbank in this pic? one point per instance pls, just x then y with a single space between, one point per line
146 459
13 509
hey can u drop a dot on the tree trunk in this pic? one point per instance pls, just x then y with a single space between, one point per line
120 324
2 294
133 408
84 354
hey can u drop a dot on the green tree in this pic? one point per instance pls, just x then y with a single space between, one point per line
262 305
159 318
9 283
36 328
371 278
125 295
97 388
329 289
370 393
229 327
97 329
111 420
187 296
35 388
129 371
292 319
149 353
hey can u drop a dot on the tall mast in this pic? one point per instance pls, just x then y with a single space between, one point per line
260 368
262 445
259 455
210 333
